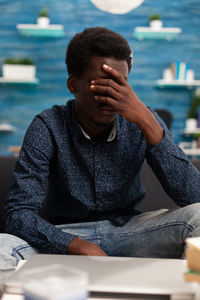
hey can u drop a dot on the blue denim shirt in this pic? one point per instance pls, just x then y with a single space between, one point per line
87 181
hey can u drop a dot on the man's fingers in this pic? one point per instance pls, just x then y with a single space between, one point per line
106 82
107 100
114 73
108 90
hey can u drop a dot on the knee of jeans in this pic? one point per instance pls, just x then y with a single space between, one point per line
13 249
193 212
7 243
195 205
194 209
10 241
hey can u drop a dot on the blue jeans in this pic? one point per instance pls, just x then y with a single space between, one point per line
158 233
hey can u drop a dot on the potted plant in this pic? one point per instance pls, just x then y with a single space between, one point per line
18 69
193 120
155 21
43 19
196 137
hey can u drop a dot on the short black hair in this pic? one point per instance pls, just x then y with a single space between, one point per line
98 41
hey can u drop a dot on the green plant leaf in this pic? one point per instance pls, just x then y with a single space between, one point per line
154 17
194 107
43 13
18 61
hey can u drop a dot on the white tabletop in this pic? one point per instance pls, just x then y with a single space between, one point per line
196 289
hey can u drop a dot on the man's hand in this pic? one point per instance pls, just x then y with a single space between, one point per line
117 93
82 247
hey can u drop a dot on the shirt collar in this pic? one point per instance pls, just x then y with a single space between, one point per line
111 136
78 132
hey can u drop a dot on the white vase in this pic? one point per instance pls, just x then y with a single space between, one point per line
191 124
156 24
43 21
167 74
18 72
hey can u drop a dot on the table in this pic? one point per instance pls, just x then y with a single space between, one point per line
116 296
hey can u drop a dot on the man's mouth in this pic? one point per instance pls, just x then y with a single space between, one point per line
105 107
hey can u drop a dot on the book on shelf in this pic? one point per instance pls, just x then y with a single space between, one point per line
182 71
186 70
177 69
173 71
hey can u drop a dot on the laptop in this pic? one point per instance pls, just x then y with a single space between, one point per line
119 277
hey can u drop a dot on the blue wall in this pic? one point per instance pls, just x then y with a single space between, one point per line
18 105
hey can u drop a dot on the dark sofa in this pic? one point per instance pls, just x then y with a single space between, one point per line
156 197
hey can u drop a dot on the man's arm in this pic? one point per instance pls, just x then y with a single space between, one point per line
179 178
23 209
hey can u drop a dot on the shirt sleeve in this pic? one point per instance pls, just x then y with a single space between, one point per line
24 207
178 176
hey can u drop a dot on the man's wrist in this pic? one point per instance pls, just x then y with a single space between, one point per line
74 246
151 129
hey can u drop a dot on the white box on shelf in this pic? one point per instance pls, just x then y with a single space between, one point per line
19 72
190 75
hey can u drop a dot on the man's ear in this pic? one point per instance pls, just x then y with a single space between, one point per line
71 84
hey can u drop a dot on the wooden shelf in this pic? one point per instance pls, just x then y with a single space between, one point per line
54 31
19 82
167 33
191 151
191 131
190 148
161 83
6 128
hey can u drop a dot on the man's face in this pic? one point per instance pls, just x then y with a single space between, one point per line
89 111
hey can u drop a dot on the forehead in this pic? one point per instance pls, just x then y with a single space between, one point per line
96 63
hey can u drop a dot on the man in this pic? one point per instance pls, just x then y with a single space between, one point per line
91 150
